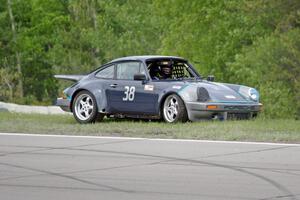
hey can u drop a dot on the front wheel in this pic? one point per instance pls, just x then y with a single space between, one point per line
85 108
174 109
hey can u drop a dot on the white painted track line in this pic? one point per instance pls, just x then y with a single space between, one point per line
151 139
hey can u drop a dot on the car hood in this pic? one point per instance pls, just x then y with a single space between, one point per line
218 92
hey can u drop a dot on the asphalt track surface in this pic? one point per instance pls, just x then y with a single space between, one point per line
63 167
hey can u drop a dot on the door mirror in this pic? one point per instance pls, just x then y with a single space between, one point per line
139 77
210 78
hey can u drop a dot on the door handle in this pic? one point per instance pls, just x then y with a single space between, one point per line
113 85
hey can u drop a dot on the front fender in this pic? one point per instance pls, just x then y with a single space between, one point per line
172 90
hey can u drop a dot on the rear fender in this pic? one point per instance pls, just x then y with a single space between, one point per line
99 95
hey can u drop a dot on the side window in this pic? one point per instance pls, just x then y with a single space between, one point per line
127 70
180 70
107 72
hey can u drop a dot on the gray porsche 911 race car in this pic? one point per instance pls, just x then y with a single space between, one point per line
155 87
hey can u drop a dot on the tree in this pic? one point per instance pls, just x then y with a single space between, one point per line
14 39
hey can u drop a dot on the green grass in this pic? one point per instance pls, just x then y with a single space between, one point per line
267 130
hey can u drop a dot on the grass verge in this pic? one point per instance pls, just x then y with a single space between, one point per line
263 130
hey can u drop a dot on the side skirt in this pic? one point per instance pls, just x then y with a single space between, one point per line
133 116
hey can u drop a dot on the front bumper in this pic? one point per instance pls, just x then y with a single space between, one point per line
64 104
198 111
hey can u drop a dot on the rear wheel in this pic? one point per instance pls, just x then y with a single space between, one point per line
85 108
174 109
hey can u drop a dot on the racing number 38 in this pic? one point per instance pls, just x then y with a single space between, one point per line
129 93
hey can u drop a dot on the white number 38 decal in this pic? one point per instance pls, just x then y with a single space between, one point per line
129 93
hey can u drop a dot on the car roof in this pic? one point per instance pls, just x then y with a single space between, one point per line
146 57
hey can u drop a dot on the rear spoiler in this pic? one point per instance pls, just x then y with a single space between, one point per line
70 77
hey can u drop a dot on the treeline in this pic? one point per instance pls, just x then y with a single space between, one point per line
255 43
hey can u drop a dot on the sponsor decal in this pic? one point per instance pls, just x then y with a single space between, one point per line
230 97
176 87
149 87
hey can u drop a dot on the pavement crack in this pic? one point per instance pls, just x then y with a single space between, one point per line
279 197
246 152
67 177
43 148
280 187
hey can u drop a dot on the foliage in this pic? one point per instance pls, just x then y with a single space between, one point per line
253 43
273 65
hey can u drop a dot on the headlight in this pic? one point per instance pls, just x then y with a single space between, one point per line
249 93
253 94
202 94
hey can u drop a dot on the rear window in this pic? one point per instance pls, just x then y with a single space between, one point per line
107 72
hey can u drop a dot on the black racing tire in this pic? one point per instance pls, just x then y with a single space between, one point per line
173 109
85 109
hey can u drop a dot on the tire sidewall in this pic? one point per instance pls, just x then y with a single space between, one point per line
182 114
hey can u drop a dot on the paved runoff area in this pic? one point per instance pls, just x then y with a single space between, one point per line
36 167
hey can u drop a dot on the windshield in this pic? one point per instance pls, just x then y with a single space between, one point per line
170 69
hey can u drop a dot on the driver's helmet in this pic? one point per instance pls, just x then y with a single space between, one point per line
166 69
